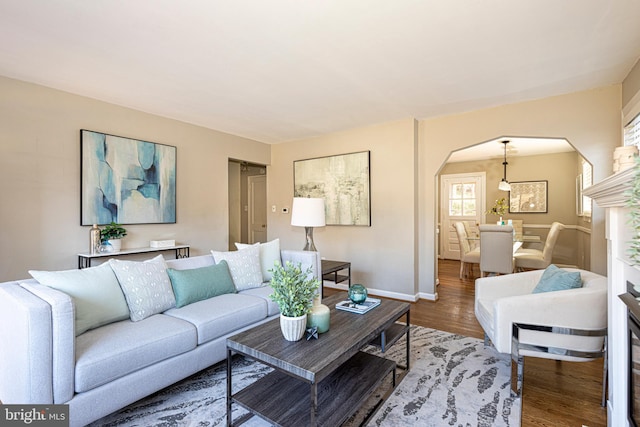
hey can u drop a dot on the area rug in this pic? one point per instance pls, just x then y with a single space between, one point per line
453 381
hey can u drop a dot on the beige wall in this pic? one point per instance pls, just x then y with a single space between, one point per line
631 85
40 176
589 120
381 256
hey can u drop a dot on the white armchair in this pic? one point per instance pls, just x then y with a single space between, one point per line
565 325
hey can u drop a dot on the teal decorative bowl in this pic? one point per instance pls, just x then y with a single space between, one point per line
357 293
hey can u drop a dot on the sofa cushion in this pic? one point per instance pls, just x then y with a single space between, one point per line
96 294
215 317
146 286
264 292
244 266
269 255
557 279
197 284
115 350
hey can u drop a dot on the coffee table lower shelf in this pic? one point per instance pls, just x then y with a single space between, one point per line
286 401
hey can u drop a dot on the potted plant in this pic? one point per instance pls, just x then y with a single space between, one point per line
112 233
293 291
499 208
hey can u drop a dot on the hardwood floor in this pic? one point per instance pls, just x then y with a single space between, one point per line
554 393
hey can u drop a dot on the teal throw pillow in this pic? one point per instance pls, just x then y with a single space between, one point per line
198 284
96 294
557 279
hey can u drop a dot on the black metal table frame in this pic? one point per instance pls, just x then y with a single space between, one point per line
85 261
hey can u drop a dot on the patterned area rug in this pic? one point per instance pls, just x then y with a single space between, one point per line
453 381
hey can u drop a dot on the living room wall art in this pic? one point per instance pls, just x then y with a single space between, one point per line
126 181
344 183
528 197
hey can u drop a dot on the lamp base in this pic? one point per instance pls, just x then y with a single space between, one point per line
310 246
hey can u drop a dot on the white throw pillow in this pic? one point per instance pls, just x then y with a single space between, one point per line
244 266
96 294
269 255
146 286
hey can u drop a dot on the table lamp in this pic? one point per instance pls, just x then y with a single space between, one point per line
308 212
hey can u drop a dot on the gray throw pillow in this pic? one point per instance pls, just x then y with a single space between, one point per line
146 286
244 266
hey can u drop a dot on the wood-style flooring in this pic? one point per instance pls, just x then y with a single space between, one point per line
554 393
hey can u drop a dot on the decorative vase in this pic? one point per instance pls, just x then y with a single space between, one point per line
319 316
94 239
293 328
116 244
357 293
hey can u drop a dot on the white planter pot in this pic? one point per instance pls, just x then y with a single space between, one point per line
293 328
116 244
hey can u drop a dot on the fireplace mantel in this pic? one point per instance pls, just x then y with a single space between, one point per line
612 193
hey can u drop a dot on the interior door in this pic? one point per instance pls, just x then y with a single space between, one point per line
257 201
462 198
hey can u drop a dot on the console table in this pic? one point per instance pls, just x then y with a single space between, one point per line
84 259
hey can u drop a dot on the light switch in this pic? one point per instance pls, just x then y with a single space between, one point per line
273 208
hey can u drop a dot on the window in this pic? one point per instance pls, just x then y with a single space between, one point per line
462 199
585 179
632 132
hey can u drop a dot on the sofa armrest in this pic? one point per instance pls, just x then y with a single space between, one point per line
308 259
25 347
63 338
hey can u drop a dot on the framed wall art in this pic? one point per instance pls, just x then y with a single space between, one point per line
528 197
343 181
126 181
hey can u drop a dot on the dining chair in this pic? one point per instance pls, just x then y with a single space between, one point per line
496 249
468 255
517 227
535 259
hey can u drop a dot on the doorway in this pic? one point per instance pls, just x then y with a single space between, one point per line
247 203
462 198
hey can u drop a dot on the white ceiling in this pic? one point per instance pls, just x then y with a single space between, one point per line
282 70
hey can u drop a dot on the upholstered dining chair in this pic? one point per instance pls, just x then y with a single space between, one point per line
534 259
496 249
468 256
564 325
518 228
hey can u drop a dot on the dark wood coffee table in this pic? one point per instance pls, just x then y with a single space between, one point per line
317 382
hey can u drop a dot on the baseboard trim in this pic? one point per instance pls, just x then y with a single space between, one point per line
386 294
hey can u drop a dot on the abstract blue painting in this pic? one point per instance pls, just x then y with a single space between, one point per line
126 181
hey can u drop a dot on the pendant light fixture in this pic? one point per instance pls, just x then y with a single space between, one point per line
504 184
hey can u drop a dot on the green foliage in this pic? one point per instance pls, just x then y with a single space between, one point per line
112 231
293 289
499 208
633 203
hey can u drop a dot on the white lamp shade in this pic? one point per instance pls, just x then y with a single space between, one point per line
504 186
307 212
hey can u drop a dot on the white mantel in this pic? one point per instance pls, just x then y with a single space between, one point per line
612 194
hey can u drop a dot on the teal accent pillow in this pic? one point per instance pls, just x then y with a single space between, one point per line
96 294
198 284
557 279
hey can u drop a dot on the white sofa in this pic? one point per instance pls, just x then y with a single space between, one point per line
106 368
